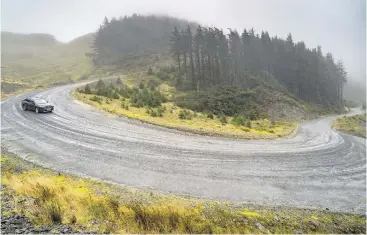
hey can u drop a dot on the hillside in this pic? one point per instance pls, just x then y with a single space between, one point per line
204 60
129 38
207 57
31 60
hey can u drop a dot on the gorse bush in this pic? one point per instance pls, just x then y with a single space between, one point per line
239 120
124 105
147 97
153 83
163 75
115 95
223 119
87 89
210 115
150 71
138 97
229 101
127 92
141 85
156 112
96 99
185 114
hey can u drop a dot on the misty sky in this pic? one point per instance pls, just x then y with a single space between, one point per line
339 26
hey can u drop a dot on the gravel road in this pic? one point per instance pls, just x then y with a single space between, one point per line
318 168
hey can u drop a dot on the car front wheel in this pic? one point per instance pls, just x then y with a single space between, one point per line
37 110
24 107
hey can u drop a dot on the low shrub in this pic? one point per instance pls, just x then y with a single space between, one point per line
239 120
185 114
124 106
248 124
96 99
147 98
153 84
223 119
141 85
150 71
156 112
226 100
87 89
163 75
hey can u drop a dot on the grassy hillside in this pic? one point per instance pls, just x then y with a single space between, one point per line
253 114
132 45
31 60
355 125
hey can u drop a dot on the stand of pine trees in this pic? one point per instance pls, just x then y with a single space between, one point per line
208 57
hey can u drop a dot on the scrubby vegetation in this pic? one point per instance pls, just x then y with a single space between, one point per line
227 100
48 197
154 101
140 97
355 125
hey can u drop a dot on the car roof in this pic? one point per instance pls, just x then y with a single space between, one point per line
37 98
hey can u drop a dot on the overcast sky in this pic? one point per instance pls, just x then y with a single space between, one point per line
339 26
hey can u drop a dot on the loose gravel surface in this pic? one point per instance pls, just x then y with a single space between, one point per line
317 168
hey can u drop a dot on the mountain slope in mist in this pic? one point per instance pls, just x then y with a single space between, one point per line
39 59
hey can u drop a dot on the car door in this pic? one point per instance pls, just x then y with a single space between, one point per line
31 105
27 104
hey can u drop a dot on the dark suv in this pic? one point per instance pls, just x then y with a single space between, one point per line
37 104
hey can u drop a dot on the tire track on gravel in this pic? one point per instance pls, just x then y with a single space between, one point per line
317 168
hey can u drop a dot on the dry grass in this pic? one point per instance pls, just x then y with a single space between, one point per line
200 123
355 125
50 198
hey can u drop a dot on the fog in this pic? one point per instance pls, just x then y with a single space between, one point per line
339 26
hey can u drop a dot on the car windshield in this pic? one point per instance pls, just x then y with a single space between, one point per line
40 101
